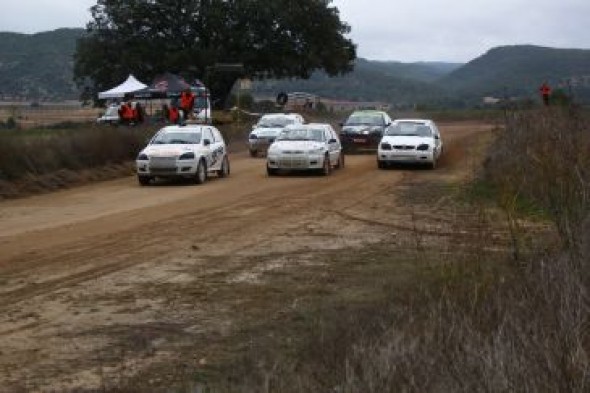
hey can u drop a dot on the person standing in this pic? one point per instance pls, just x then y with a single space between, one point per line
545 91
187 103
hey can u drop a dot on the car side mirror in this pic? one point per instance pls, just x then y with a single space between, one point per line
206 142
436 136
332 141
341 124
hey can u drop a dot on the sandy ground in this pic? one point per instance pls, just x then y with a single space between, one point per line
112 278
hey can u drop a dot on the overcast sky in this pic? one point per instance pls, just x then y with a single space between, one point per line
411 30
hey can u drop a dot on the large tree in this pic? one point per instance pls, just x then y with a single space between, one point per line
287 38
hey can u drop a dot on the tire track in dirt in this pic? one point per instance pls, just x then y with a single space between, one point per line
277 202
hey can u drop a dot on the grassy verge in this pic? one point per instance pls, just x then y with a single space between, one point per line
45 159
504 309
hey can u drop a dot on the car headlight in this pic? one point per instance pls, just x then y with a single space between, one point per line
385 146
187 156
423 147
253 136
366 132
143 157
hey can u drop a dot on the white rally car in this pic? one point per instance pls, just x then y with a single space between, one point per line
302 147
192 151
413 141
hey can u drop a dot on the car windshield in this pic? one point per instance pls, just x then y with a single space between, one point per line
177 138
409 129
363 120
301 134
267 122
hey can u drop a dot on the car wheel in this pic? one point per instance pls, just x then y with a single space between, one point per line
144 180
224 171
340 164
201 175
271 171
326 168
253 153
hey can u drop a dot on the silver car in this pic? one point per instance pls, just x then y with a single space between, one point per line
268 128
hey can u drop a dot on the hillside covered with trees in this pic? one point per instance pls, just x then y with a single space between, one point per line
40 67
518 71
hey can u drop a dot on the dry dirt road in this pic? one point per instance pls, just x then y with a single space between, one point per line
105 280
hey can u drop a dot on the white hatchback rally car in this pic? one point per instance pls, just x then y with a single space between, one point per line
412 141
191 151
313 146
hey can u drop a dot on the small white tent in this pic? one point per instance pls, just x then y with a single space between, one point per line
129 86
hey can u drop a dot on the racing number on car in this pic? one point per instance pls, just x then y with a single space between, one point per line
215 155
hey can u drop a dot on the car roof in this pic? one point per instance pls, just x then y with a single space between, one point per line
318 124
187 128
281 115
368 112
419 121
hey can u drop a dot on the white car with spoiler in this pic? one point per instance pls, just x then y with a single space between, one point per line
191 151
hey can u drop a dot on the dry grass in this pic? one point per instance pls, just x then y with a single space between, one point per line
479 319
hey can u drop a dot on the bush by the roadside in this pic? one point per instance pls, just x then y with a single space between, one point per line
478 320
38 152
544 157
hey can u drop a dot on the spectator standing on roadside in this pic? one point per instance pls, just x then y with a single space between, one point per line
126 113
545 91
187 102
173 115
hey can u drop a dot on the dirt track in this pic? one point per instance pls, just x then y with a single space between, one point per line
86 272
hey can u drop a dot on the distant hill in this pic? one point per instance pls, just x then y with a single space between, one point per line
38 66
392 82
420 71
519 71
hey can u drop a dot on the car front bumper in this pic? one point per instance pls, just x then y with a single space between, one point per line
404 156
360 142
167 167
295 162
260 144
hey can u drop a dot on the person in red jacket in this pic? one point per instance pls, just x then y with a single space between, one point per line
126 113
545 91
187 103
173 115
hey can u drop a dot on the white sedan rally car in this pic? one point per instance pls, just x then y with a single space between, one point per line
301 147
412 141
191 151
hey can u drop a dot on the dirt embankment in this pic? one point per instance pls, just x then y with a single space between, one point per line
103 281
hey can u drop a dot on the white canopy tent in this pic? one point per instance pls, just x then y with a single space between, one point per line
129 86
